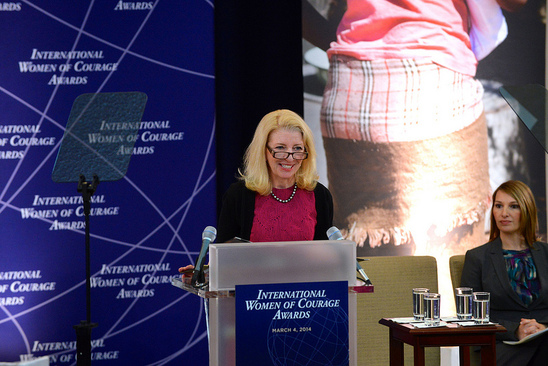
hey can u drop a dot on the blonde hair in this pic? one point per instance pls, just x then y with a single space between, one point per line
528 219
255 172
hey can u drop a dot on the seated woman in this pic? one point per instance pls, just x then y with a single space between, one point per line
513 267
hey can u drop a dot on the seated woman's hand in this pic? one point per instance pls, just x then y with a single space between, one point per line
528 327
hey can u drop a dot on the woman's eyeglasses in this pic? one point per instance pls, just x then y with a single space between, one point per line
297 155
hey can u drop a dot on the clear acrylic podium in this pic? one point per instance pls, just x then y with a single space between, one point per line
234 264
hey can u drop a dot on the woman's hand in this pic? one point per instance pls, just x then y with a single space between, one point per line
187 270
528 327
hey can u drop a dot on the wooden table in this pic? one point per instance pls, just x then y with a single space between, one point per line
451 335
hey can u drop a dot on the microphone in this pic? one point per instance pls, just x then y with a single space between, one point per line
208 236
333 233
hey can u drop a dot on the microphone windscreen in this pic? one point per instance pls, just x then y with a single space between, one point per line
209 233
334 234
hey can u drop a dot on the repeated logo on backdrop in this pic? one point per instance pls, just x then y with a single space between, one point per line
143 226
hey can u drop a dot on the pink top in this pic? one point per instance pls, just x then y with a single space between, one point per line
400 29
291 221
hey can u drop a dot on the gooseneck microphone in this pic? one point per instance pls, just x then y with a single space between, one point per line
208 236
333 233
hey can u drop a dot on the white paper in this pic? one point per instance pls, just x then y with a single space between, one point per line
405 320
424 325
528 338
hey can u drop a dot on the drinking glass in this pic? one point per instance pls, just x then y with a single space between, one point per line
418 303
463 298
481 307
432 309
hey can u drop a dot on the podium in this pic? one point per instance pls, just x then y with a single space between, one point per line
280 299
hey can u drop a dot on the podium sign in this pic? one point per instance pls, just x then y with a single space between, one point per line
292 324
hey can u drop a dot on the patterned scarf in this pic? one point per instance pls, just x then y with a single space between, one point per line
522 274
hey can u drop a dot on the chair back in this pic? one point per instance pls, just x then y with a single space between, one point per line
456 263
394 279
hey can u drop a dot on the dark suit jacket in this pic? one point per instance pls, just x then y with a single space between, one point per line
237 212
485 270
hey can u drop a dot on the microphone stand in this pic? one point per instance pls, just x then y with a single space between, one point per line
83 330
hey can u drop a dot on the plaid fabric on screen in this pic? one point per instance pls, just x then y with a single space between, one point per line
397 100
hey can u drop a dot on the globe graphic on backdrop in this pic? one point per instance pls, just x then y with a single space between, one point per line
318 341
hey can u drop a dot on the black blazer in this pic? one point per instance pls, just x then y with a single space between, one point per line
485 270
237 211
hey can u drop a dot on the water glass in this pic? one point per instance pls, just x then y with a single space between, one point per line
481 307
418 303
463 298
432 309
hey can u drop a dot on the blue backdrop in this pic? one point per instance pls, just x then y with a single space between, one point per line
147 224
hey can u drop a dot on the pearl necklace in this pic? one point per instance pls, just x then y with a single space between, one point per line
290 197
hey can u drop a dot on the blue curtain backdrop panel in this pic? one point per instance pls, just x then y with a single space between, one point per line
142 226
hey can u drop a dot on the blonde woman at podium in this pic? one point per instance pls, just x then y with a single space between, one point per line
278 196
